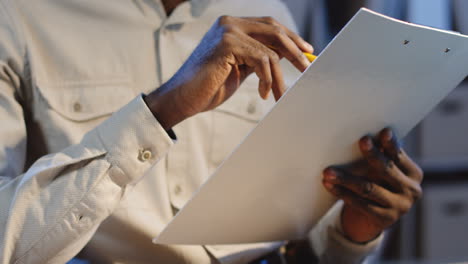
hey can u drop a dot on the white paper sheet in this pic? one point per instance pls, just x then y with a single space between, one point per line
270 187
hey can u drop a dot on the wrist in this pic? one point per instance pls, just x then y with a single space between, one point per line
164 106
356 226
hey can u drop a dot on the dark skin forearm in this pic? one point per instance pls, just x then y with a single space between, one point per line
164 106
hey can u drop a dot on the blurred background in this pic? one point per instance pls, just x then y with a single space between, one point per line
435 231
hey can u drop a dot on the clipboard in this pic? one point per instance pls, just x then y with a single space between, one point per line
377 72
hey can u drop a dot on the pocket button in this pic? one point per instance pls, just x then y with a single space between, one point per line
77 107
177 190
251 108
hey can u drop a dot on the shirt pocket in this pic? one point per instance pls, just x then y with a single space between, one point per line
81 101
65 111
233 120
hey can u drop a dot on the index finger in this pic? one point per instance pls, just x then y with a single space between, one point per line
275 38
300 42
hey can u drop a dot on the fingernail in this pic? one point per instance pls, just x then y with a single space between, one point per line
309 46
366 143
267 95
330 175
330 178
388 135
328 185
329 170
390 164
306 60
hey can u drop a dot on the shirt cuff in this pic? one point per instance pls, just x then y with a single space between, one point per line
134 140
330 244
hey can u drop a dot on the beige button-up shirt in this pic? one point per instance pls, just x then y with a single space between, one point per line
107 177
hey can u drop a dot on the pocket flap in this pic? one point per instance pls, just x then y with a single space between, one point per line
83 100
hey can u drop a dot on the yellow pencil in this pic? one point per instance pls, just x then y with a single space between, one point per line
311 57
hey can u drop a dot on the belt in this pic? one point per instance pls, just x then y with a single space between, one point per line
295 252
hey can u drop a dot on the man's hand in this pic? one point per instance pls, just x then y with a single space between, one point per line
230 51
376 191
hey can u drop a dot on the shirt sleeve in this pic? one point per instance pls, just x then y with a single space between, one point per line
49 212
331 246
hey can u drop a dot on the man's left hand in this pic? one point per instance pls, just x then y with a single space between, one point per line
376 191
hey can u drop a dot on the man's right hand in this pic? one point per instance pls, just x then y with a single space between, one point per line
230 51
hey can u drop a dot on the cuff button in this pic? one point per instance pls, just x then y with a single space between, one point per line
145 155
